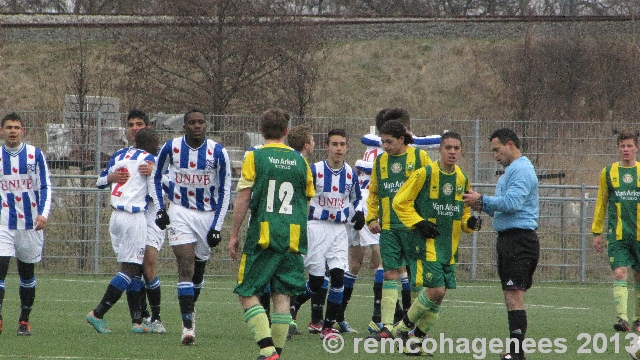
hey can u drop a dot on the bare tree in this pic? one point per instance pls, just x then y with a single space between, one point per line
220 56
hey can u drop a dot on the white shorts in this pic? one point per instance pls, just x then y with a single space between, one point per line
128 236
190 226
328 244
155 236
362 237
26 245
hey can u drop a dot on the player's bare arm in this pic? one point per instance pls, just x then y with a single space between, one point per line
240 208
41 222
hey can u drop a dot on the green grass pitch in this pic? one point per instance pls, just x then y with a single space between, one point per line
474 310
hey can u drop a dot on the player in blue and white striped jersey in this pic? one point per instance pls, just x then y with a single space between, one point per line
199 189
129 198
25 190
337 201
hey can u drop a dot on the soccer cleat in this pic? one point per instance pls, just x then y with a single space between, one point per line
156 327
273 356
374 327
414 348
24 329
635 326
293 330
146 321
100 325
621 325
188 336
315 328
139 328
328 333
344 327
384 333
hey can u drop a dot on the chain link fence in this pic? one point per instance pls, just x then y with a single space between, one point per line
568 158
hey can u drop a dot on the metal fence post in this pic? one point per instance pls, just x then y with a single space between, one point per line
476 165
96 206
583 234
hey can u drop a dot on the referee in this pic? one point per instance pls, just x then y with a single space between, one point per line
515 209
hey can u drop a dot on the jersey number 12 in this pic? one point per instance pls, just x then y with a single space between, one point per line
285 194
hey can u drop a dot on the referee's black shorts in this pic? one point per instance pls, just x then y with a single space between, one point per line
518 253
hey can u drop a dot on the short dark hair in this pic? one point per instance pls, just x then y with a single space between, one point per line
450 135
380 118
334 132
400 115
13 116
191 111
298 136
627 134
396 129
274 124
147 140
138 114
505 135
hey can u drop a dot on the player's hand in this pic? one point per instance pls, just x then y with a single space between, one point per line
358 220
375 228
41 222
146 169
598 243
233 247
162 219
213 238
120 176
427 229
475 223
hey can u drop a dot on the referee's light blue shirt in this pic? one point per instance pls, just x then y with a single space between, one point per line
516 203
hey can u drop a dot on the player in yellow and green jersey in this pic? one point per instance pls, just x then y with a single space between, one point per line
618 198
390 170
432 198
276 184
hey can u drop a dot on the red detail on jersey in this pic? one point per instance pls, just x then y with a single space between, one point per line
126 157
33 204
177 196
20 216
15 170
192 164
30 156
123 169
209 152
4 204
176 150
191 193
348 175
332 217
192 208
18 198
206 200
320 176
335 188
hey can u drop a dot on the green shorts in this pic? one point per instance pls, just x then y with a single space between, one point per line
433 274
623 253
398 248
283 272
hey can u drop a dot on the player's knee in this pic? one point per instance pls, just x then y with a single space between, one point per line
337 277
25 270
315 283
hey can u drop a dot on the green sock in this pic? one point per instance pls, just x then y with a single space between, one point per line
258 322
425 312
280 328
620 293
389 299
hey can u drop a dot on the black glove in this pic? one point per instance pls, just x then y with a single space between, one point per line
475 223
427 229
213 238
358 220
162 219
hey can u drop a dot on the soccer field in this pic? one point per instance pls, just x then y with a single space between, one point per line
560 313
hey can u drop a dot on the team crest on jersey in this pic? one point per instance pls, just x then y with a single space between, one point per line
447 189
31 168
410 167
396 168
627 179
211 164
459 189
